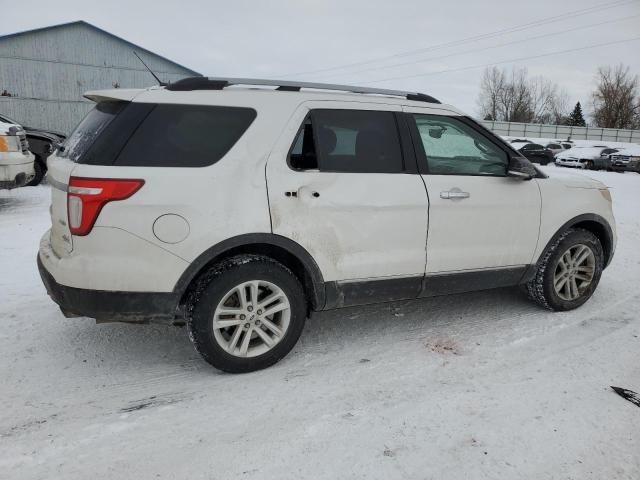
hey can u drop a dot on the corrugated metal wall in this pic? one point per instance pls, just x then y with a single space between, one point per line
47 71
562 132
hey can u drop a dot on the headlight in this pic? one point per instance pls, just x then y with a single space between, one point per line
9 143
605 193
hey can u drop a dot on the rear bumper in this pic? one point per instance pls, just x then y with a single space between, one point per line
107 306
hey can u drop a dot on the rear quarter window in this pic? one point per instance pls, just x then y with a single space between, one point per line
89 129
185 136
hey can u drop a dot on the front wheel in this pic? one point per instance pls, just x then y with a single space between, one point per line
40 168
589 165
569 272
246 313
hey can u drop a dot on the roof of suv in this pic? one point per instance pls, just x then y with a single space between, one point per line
310 91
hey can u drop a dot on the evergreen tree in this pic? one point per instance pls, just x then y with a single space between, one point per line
576 119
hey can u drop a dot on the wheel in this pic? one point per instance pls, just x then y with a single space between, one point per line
41 169
569 272
589 165
246 313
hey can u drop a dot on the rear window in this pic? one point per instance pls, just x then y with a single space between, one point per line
91 126
151 135
185 136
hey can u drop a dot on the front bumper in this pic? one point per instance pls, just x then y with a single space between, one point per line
14 175
569 163
105 306
619 166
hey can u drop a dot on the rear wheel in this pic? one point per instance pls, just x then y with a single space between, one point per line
246 313
569 273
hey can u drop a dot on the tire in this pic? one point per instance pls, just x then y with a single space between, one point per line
542 289
589 165
41 169
220 290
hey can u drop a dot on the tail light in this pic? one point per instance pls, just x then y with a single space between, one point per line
87 196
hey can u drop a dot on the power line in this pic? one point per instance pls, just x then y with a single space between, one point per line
516 28
465 52
471 67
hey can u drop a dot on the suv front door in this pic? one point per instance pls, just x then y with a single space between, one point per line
479 218
341 186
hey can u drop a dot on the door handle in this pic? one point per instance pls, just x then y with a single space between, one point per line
453 194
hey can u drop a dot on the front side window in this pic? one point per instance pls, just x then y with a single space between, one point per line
453 148
353 141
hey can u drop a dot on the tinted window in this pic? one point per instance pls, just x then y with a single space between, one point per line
185 136
89 128
532 146
348 141
454 148
554 146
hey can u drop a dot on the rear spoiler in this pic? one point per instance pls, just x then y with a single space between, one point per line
123 94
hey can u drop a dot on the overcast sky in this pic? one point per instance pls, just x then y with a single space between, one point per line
278 39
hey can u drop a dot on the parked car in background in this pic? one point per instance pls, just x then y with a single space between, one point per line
534 152
303 200
16 161
590 158
621 160
41 144
554 148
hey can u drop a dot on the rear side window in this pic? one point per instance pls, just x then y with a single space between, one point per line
185 136
352 141
91 126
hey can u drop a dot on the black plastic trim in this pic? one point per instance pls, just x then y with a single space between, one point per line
472 280
110 306
350 293
196 83
246 241
406 144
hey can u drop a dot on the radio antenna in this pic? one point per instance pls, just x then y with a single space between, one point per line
161 83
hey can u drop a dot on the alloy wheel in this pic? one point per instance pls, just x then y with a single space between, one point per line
574 272
251 318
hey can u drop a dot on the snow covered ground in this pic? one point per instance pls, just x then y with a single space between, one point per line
481 385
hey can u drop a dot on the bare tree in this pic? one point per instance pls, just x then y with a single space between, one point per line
493 83
615 100
560 109
514 97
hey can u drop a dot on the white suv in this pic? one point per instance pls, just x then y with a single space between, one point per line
240 210
16 162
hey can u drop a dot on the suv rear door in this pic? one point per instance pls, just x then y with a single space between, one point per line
342 187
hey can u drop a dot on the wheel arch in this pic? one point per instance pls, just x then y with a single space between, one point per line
286 251
592 223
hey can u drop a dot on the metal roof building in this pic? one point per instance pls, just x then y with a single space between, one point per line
44 72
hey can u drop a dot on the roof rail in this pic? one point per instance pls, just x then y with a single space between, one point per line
219 83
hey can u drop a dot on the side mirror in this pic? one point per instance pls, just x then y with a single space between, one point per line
520 168
436 132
